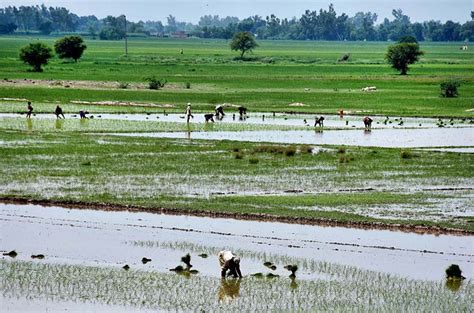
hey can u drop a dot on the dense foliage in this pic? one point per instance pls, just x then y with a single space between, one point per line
311 25
403 54
243 42
70 47
36 55
449 89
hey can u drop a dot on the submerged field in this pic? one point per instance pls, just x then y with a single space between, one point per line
230 182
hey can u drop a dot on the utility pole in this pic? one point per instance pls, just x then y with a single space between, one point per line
126 43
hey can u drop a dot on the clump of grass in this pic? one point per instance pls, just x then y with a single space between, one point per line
187 85
239 155
292 268
86 163
253 160
346 159
290 151
341 150
236 149
454 272
269 149
154 83
407 154
123 85
306 149
203 255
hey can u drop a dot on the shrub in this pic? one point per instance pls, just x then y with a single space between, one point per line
253 161
123 85
449 89
344 58
239 155
406 154
154 83
290 151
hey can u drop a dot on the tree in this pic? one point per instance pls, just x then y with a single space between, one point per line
243 42
449 89
36 55
70 47
403 54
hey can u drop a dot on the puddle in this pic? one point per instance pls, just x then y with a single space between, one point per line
112 239
387 138
280 119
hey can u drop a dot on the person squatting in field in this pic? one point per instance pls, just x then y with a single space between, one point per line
219 112
83 114
59 112
367 123
229 262
30 110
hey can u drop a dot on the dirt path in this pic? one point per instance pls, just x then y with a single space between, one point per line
419 229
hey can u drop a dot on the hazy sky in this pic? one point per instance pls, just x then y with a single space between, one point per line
191 10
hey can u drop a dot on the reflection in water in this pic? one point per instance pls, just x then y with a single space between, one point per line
229 290
293 284
29 124
453 284
84 122
59 124
367 131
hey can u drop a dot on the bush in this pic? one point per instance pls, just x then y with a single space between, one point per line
253 161
290 151
406 154
449 89
344 58
36 55
123 85
154 83
341 150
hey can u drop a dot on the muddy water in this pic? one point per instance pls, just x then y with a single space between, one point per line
388 138
281 119
90 237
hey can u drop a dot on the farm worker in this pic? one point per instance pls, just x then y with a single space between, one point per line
209 117
30 110
341 113
58 112
82 114
219 111
229 261
367 123
188 113
319 121
242 112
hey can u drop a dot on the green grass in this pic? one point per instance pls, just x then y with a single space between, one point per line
203 175
215 77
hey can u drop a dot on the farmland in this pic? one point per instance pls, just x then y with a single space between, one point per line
270 186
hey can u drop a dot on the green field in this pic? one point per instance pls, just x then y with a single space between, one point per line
277 74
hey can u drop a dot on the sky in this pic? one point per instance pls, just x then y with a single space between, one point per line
192 10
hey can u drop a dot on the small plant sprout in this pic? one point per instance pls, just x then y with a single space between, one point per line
292 269
454 272
187 260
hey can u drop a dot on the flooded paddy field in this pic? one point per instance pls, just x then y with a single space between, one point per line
278 119
387 138
85 250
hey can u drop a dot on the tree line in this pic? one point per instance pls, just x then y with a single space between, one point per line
324 24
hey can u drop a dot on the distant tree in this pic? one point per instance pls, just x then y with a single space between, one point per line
70 47
243 42
449 89
36 55
467 31
46 27
7 28
407 39
403 54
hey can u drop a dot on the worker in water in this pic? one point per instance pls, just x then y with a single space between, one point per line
188 113
229 262
59 112
30 110
219 112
